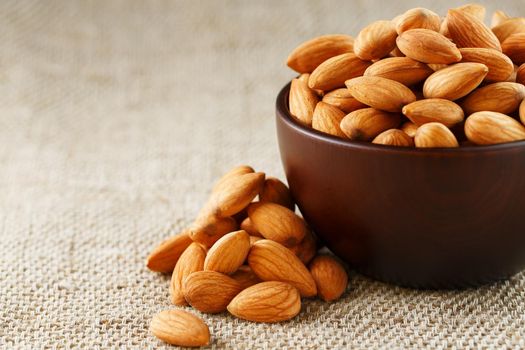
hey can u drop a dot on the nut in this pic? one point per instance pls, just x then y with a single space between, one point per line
178 327
433 135
487 128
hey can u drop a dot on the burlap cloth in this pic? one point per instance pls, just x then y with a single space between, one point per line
116 116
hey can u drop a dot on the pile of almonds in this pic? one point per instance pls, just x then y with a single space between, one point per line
416 80
255 259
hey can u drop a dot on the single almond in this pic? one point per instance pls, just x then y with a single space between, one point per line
509 27
514 47
428 46
456 81
434 110
499 65
245 277
520 74
330 277
179 327
307 249
435 135
376 40
310 54
271 261
501 97
394 137
206 230
302 101
487 128
236 171
277 223
522 112
210 291
365 124
228 253
192 260
275 191
327 119
475 10
467 30
498 17
267 302
248 226
409 128
343 100
401 69
418 18
380 93
164 257
333 72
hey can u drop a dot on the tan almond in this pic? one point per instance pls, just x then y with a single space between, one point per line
206 230
456 81
304 78
520 74
394 137
277 223
248 226
365 124
409 128
232 173
307 249
267 302
514 47
500 66
509 27
302 101
434 110
522 112
435 135
332 73
210 291
501 97
401 69
179 327
418 18
475 10
343 100
271 261
275 191
228 253
245 277
164 257
310 54
425 45
327 119
192 260
487 128
376 40
468 31
330 277
498 17
380 93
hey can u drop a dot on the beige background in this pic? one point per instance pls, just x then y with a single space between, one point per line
115 116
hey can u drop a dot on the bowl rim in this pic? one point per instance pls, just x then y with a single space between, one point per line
284 114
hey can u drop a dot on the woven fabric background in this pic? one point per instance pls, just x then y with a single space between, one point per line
116 117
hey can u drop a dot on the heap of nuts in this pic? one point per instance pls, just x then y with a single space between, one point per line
255 259
416 80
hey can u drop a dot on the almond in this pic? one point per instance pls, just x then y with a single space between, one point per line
330 277
501 97
454 82
520 74
468 31
275 191
498 17
245 277
487 128
277 223
192 260
475 10
409 128
248 226
304 78
208 229
210 291
302 101
418 18
365 124
376 40
343 100
434 110
401 69
307 249
433 135
522 112
380 93
436 66
254 239
327 119
394 137
333 72
266 302
164 257
427 46
396 53
228 253
307 56
271 261
178 327
509 27
514 47
499 65
235 172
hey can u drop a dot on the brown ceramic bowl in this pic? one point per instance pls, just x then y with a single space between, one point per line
424 218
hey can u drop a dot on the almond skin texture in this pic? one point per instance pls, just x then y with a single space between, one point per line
307 249
327 119
228 253
488 128
501 97
401 69
267 302
277 223
468 31
394 137
409 128
343 100
514 47
248 226
164 257
509 27
210 291
435 135
425 45
333 72
418 18
454 82
207 230
365 124
302 101
192 260
475 10
310 54
434 110
376 40
499 65
520 75
304 78
271 261
237 171
275 191
178 327
380 93
245 277
329 276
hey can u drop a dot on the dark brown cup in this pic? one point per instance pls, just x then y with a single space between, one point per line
423 218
